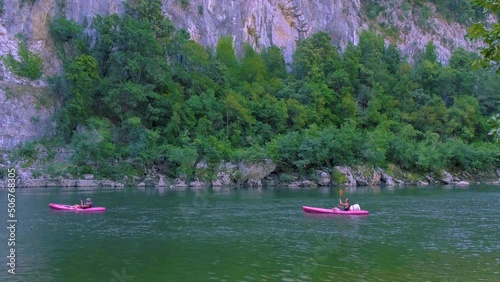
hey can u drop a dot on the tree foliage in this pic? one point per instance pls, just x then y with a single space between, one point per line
29 65
489 35
490 53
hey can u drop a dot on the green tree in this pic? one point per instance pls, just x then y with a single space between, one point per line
93 143
428 71
190 64
490 36
69 38
133 69
315 58
486 91
464 119
372 48
81 77
225 52
139 143
392 58
431 117
494 123
430 53
307 62
328 54
351 63
458 78
150 13
30 65
252 68
275 62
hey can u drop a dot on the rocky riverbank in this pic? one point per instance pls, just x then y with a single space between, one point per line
257 174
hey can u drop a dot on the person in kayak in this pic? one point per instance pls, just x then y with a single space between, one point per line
88 204
343 206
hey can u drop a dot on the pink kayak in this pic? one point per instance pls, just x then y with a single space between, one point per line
332 211
78 209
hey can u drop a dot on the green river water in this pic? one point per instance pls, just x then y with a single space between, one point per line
441 233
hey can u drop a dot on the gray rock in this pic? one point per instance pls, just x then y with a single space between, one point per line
386 178
88 177
350 181
255 183
256 171
302 183
496 182
110 183
399 182
161 181
366 176
197 183
179 183
324 178
32 183
226 175
447 178
87 183
68 182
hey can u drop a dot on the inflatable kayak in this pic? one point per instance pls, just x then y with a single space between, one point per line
334 211
73 208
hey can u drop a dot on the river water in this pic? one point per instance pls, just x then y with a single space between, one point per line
440 233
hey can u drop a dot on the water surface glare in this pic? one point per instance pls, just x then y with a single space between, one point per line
442 233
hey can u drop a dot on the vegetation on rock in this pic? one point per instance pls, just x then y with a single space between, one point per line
30 64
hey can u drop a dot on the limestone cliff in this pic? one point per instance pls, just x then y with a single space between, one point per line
259 22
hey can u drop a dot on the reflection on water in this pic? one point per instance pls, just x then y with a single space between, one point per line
229 234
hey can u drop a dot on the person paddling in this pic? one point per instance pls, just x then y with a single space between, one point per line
343 206
88 204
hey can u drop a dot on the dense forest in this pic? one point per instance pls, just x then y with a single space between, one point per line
137 92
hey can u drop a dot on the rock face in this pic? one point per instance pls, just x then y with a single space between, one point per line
61 182
260 23
24 114
283 22
385 178
366 176
447 178
253 173
265 23
324 178
344 177
225 175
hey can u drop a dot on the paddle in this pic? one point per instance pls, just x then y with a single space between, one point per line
341 192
